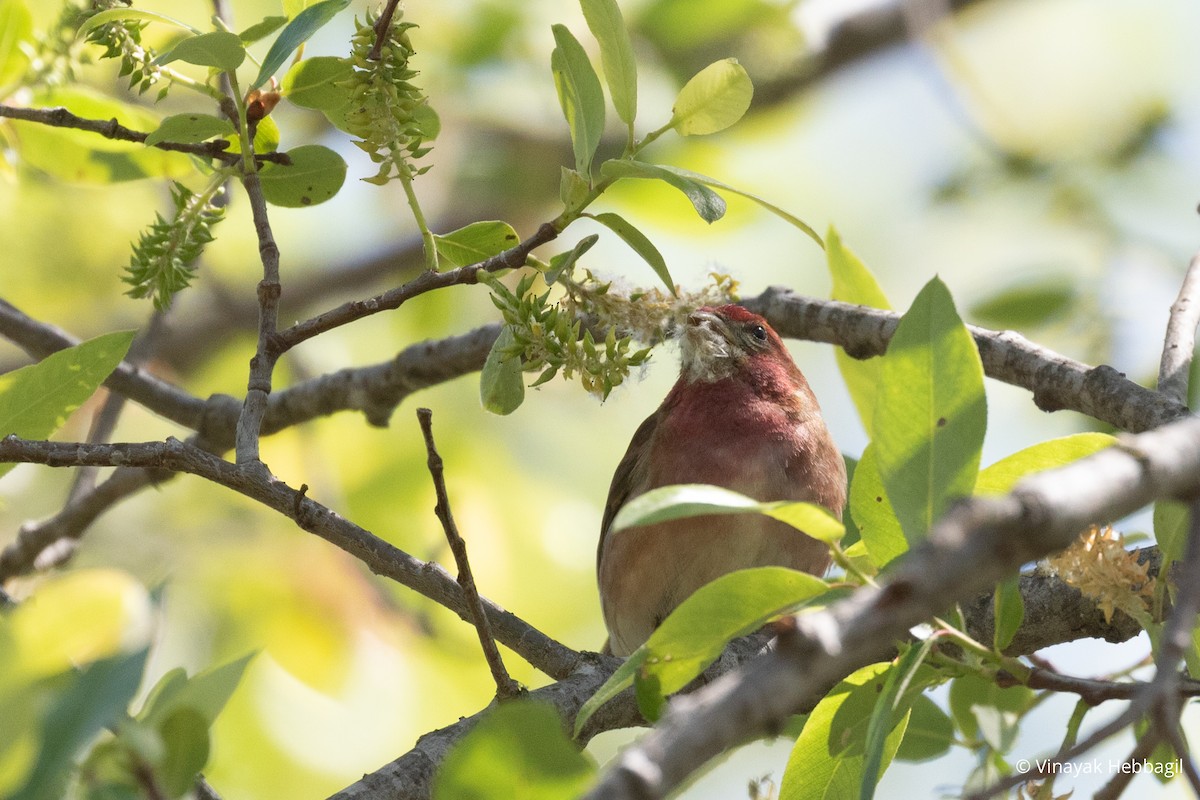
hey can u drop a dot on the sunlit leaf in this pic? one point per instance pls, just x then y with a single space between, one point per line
131 15
873 514
580 96
190 127
16 30
501 387
313 83
219 49
315 175
518 750
640 244
80 617
828 759
476 242
854 283
296 33
84 157
36 400
715 98
931 412
694 634
893 700
708 204
1002 476
605 22
677 502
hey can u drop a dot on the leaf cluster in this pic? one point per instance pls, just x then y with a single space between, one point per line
122 39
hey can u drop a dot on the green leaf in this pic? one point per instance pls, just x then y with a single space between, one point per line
715 98
266 138
206 692
827 762
618 682
131 15
262 29
296 33
314 83
930 732
854 283
774 209
708 204
315 175
580 96
678 502
572 190
735 604
93 700
476 242
694 634
812 519
1170 530
893 701
873 514
185 737
640 244
931 412
191 127
1008 610
36 400
517 750
1001 477
565 262
84 157
605 22
220 50
971 692
16 29
1028 304
501 388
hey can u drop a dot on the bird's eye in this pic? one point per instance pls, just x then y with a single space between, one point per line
759 332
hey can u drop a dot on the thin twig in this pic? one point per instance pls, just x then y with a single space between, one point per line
203 790
60 117
1120 781
505 685
1180 341
382 26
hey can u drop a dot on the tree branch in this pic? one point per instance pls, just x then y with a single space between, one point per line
505 685
382 558
1056 381
1180 341
972 547
60 117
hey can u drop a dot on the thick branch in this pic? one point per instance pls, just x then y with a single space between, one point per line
1056 381
1180 341
976 544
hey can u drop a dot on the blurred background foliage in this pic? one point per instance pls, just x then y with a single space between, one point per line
1040 155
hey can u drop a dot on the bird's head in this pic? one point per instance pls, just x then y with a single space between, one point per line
718 342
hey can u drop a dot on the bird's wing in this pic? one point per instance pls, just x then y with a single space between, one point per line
630 475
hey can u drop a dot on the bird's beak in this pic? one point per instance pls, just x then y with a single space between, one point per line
705 342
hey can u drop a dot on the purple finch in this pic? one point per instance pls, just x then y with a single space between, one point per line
741 416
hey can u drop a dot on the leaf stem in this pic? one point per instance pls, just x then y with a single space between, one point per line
429 244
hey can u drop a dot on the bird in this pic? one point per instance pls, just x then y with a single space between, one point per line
741 416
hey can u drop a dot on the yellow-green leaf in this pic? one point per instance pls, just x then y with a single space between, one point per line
715 98
1002 476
